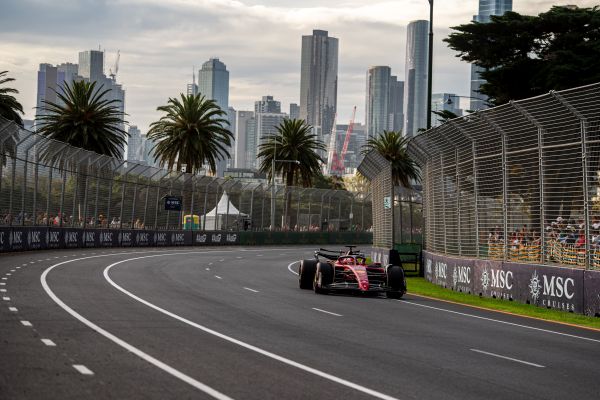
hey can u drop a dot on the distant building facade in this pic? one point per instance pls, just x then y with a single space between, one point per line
135 150
319 80
487 8
267 105
245 136
444 102
415 88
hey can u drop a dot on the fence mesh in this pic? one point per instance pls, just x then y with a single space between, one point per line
519 182
49 183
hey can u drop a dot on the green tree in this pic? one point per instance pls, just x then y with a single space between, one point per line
392 146
85 118
292 142
444 115
524 56
193 131
10 108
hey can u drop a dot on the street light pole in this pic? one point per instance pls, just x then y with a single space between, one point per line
430 65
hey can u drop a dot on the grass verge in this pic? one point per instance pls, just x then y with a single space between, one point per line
426 288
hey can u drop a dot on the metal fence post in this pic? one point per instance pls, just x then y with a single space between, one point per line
458 202
147 195
444 206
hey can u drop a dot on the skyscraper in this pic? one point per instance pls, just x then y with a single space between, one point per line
213 83
396 105
294 111
135 151
244 137
378 98
415 89
46 87
91 65
267 105
318 81
487 8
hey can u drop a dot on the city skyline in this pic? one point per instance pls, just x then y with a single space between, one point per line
157 55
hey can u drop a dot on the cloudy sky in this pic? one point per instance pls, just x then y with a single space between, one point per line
258 40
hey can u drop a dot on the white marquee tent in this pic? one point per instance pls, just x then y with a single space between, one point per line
222 216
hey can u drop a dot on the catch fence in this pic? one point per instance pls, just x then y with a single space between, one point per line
518 182
47 183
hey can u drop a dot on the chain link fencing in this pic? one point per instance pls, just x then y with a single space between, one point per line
518 182
47 183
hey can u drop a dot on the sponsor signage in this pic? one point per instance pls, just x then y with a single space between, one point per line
172 203
72 238
592 293
126 238
4 239
54 238
180 238
143 238
91 238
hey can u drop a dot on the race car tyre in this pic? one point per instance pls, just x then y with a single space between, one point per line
306 274
323 277
396 281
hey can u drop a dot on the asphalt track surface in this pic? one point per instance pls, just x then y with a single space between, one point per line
231 323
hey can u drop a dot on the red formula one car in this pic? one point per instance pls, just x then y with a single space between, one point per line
349 271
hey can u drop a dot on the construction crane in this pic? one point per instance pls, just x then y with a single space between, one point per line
339 164
113 75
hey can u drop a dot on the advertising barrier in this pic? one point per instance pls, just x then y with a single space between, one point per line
565 289
36 238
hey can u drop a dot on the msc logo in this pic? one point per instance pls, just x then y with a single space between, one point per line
554 286
34 238
143 237
2 238
53 237
71 237
496 279
89 237
106 237
428 267
461 275
160 237
440 270
177 238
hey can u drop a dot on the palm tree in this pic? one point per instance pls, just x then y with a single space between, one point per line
86 119
292 142
193 132
10 108
392 146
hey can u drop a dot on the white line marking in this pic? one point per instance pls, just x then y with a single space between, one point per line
24 265
31 262
2 284
82 369
327 312
251 290
56 257
48 342
26 323
8 274
18 267
222 260
12 270
218 277
210 263
208 269
500 322
40 260
2 290
248 346
13 309
239 257
259 255
48 259
6 298
508 358
146 357
290 267
4 278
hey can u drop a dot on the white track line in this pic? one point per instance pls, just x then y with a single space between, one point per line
48 342
2 290
508 358
82 369
6 298
2 284
146 357
26 323
251 290
218 277
499 321
13 309
327 312
290 267
245 345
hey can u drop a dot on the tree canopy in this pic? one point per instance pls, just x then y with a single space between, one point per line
524 56
10 108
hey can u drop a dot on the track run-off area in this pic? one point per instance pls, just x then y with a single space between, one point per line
231 323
